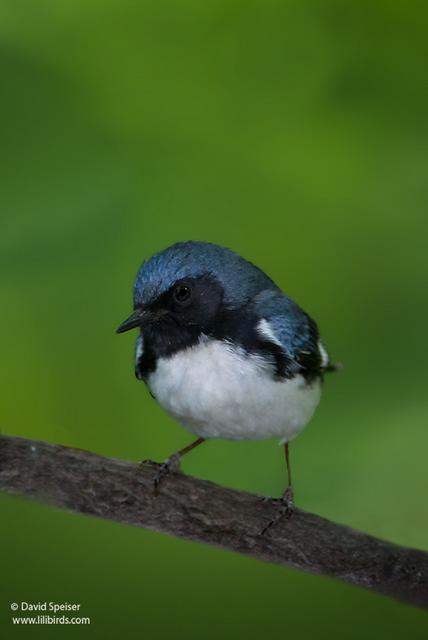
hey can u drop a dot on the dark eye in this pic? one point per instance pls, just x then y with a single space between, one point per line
182 293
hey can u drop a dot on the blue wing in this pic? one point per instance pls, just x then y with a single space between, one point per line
284 323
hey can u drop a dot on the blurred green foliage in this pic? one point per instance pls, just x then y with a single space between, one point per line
294 132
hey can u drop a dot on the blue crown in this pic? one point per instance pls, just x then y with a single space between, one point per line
241 280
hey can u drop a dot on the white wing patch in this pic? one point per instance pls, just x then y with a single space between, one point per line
325 360
265 330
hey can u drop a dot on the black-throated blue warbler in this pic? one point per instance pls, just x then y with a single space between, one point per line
223 349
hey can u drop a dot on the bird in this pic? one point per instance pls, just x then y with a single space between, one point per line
225 351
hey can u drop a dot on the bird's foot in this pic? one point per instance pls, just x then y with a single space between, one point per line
171 465
148 463
285 506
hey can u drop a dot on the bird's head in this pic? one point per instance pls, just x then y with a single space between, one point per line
189 285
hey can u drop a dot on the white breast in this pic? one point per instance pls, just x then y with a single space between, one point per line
217 391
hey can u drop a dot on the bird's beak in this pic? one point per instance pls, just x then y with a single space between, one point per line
140 318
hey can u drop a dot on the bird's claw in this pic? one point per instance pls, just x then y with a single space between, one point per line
285 505
171 465
289 496
148 463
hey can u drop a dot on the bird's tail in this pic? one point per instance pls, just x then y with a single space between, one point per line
332 366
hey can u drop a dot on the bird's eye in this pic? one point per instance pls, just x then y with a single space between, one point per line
182 293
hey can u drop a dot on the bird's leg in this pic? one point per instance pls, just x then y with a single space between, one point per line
286 501
289 492
172 464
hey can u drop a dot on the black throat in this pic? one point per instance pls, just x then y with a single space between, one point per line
237 327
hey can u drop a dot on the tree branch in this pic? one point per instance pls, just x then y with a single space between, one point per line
186 507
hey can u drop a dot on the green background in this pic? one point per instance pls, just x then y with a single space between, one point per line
294 132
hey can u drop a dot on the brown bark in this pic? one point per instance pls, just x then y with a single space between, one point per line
187 507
